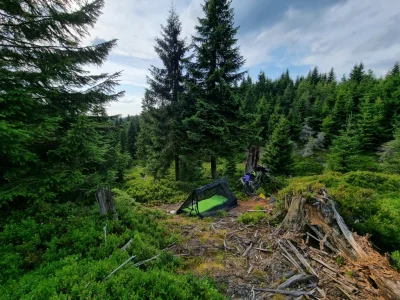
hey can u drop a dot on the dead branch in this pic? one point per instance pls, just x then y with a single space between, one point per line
296 279
245 253
263 250
301 258
324 264
123 264
127 245
343 291
289 293
250 269
290 258
347 233
225 244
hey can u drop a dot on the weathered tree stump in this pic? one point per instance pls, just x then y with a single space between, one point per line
252 159
295 219
329 227
105 199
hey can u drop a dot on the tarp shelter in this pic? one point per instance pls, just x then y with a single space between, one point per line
209 199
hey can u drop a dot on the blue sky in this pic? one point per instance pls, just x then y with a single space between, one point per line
274 35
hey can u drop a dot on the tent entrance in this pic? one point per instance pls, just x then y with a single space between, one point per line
209 199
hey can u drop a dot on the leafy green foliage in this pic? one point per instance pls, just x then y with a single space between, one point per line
253 217
396 260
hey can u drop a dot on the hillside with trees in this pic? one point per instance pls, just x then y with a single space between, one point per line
60 154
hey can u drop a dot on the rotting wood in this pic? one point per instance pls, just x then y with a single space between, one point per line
127 245
264 250
298 278
288 293
324 264
318 251
347 233
301 258
250 269
321 236
105 199
290 258
344 292
246 252
225 243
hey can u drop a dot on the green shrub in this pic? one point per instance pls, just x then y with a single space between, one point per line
253 217
306 166
54 251
396 260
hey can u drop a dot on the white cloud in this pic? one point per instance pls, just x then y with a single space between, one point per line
130 104
338 36
136 24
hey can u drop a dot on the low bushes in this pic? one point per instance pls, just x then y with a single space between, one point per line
59 251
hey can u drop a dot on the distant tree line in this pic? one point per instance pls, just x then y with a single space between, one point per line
201 107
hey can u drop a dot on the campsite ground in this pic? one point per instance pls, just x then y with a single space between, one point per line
239 256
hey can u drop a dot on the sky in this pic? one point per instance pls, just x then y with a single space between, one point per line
274 35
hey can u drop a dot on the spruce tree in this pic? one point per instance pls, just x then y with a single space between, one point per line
131 137
166 85
344 149
369 125
215 126
390 154
278 155
44 93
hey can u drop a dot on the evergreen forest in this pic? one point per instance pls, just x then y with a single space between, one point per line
201 112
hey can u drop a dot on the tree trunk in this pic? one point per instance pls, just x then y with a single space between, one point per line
177 175
214 173
252 159
105 199
295 220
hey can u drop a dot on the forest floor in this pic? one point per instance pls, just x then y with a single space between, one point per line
243 257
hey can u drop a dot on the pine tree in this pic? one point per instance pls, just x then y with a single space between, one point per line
131 137
369 125
44 91
215 127
279 149
331 76
344 149
390 154
264 112
166 85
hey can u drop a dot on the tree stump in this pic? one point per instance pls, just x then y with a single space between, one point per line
252 159
295 219
105 199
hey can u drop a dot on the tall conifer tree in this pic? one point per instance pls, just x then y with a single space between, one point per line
214 128
166 85
44 92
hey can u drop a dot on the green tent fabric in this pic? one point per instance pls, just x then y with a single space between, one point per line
206 205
